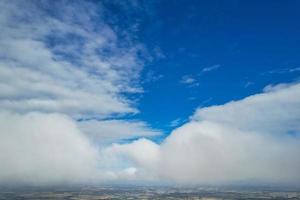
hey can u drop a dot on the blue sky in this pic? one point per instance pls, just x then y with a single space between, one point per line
178 92
253 43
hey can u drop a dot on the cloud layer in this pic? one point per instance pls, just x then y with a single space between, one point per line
252 140
219 145
64 73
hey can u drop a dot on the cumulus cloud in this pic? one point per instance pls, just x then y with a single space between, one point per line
245 140
142 155
273 112
41 148
46 149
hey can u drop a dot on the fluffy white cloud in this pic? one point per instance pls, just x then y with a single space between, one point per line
46 149
142 155
271 112
63 58
254 139
41 148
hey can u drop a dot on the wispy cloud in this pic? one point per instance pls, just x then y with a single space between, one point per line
176 122
68 62
186 79
205 102
189 80
283 70
248 84
151 76
211 68
158 53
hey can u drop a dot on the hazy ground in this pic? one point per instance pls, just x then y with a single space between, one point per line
145 193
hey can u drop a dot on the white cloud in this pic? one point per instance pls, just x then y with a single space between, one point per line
143 155
283 70
151 77
70 64
272 112
246 140
111 130
60 61
41 148
211 68
46 149
189 80
248 84
159 53
176 122
273 88
296 69
64 62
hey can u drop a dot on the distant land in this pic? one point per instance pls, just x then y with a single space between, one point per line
153 192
